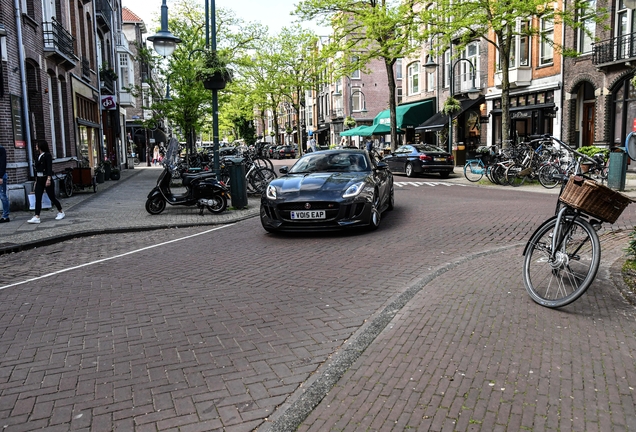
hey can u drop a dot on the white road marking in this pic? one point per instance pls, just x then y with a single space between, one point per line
423 183
110 258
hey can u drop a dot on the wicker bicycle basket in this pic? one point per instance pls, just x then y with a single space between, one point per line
594 199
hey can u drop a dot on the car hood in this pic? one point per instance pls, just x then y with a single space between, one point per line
293 184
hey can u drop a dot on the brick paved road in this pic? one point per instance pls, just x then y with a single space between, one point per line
217 331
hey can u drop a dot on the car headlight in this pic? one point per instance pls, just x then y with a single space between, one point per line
353 190
270 192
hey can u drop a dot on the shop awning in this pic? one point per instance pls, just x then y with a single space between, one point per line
439 121
353 132
411 114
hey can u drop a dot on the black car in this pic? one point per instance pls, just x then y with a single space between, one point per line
284 152
413 159
328 190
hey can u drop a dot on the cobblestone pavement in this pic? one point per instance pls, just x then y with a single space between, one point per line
425 325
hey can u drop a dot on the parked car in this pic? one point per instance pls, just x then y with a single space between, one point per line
284 152
271 150
414 159
327 191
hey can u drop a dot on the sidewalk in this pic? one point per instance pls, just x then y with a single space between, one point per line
118 206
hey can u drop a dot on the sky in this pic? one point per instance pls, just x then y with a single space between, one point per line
272 13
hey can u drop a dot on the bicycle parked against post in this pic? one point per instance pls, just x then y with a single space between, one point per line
563 255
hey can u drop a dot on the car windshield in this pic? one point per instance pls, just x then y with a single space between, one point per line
331 162
423 148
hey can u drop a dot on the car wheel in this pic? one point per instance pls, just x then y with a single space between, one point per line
376 216
409 170
444 174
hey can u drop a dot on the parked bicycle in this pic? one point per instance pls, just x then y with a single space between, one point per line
65 181
563 255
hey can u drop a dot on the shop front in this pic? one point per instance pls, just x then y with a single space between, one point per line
531 114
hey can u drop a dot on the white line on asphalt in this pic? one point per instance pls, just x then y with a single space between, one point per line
112 258
418 184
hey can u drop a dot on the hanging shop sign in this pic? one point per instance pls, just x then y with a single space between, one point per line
109 102
16 120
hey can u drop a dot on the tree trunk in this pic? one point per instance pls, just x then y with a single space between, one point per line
392 102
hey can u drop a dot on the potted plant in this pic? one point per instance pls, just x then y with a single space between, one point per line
451 106
115 174
591 151
106 72
213 70
99 174
106 168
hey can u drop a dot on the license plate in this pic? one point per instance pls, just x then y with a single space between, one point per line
308 214
439 159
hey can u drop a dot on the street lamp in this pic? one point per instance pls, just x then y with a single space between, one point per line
473 92
163 41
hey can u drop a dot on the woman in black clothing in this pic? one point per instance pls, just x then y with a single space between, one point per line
44 182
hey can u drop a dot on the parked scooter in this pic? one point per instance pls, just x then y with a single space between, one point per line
201 189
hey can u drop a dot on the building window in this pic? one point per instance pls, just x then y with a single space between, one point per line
546 54
587 32
414 78
471 53
356 73
398 69
447 69
625 27
398 92
357 100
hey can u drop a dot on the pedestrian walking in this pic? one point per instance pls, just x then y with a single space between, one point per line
312 144
369 144
44 182
3 186
156 155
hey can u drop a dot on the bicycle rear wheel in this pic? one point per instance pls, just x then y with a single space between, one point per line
514 175
473 171
68 184
555 281
548 176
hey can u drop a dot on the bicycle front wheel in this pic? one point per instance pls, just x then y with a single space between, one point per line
68 185
549 176
473 171
260 178
515 175
557 279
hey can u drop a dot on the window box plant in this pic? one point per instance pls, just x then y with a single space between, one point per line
213 70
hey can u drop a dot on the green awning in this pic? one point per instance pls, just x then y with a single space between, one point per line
412 114
353 132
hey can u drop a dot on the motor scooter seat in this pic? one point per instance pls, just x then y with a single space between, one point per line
187 179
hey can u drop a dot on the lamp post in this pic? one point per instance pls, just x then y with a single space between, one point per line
473 92
364 103
163 41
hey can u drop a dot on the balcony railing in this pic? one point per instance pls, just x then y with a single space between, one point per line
104 13
107 84
58 41
616 50
337 113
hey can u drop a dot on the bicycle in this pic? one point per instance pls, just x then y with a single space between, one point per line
65 180
563 255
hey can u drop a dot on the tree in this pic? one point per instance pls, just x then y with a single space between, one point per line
365 30
500 23
190 104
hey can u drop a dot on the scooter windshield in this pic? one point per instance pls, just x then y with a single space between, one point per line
172 154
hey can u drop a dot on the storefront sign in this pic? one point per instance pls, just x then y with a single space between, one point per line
109 102
16 119
634 125
521 114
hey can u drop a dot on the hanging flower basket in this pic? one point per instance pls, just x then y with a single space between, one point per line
216 81
213 70
451 106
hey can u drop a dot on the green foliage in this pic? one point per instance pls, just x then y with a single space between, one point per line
214 64
591 151
451 106
631 246
350 122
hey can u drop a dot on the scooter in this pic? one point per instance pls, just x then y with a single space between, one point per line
201 189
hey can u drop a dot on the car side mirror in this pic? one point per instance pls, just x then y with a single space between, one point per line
284 170
382 165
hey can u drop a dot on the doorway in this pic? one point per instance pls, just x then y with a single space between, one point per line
587 124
